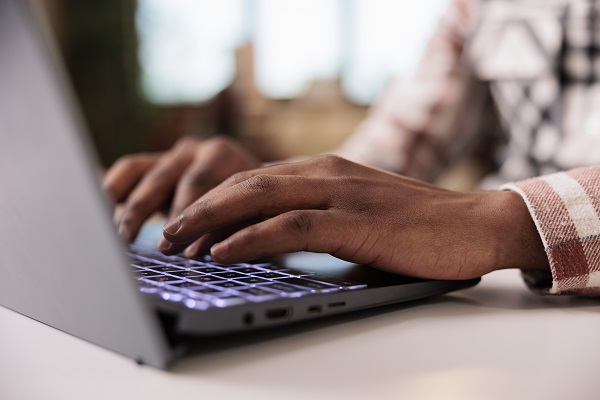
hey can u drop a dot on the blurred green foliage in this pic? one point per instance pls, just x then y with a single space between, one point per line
98 40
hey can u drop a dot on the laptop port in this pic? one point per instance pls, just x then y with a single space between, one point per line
278 313
337 304
248 319
314 309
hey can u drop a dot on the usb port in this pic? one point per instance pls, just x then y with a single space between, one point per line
336 304
278 313
314 309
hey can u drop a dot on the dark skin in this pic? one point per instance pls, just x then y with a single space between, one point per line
151 182
363 215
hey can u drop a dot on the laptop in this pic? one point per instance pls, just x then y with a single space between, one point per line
62 263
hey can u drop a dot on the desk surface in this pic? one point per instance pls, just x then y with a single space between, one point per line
494 341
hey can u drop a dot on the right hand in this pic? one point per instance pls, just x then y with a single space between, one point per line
145 182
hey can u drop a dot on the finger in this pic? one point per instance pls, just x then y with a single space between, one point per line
300 230
198 179
256 198
152 192
202 246
292 168
199 247
125 173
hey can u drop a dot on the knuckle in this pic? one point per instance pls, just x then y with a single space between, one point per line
330 160
127 161
133 161
262 183
159 175
202 209
238 177
197 178
183 148
219 144
185 142
137 207
298 222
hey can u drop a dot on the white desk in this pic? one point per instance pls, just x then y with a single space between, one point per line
495 341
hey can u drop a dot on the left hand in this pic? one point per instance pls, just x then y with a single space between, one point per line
359 214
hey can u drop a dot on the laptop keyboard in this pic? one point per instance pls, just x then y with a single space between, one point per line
203 283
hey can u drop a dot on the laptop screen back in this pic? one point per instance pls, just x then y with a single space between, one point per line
60 260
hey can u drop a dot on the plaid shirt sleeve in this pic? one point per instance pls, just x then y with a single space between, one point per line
421 125
565 207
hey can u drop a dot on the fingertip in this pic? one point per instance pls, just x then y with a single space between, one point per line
125 231
190 252
221 250
172 227
164 245
106 187
112 191
128 226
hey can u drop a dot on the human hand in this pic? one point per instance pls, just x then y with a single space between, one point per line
362 215
147 182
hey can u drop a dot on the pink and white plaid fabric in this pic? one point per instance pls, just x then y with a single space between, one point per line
532 66
565 207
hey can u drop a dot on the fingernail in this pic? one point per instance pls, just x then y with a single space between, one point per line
173 226
220 250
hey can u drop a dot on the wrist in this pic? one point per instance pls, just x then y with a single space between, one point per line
519 244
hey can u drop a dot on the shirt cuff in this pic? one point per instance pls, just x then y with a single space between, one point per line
565 207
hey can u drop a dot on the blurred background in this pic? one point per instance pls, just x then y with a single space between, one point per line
286 77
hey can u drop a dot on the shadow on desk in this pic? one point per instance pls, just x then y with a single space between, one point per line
506 295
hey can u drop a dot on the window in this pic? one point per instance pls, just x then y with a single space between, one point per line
187 46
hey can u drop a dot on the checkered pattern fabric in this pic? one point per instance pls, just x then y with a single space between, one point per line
421 125
535 64
565 207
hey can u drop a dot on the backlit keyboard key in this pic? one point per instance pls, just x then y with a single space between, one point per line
271 275
209 270
145 263
163 268
286 290
230 275
145 273
186 273
229 284
247 270
163 278
206 278
185 285
252 280
296 272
